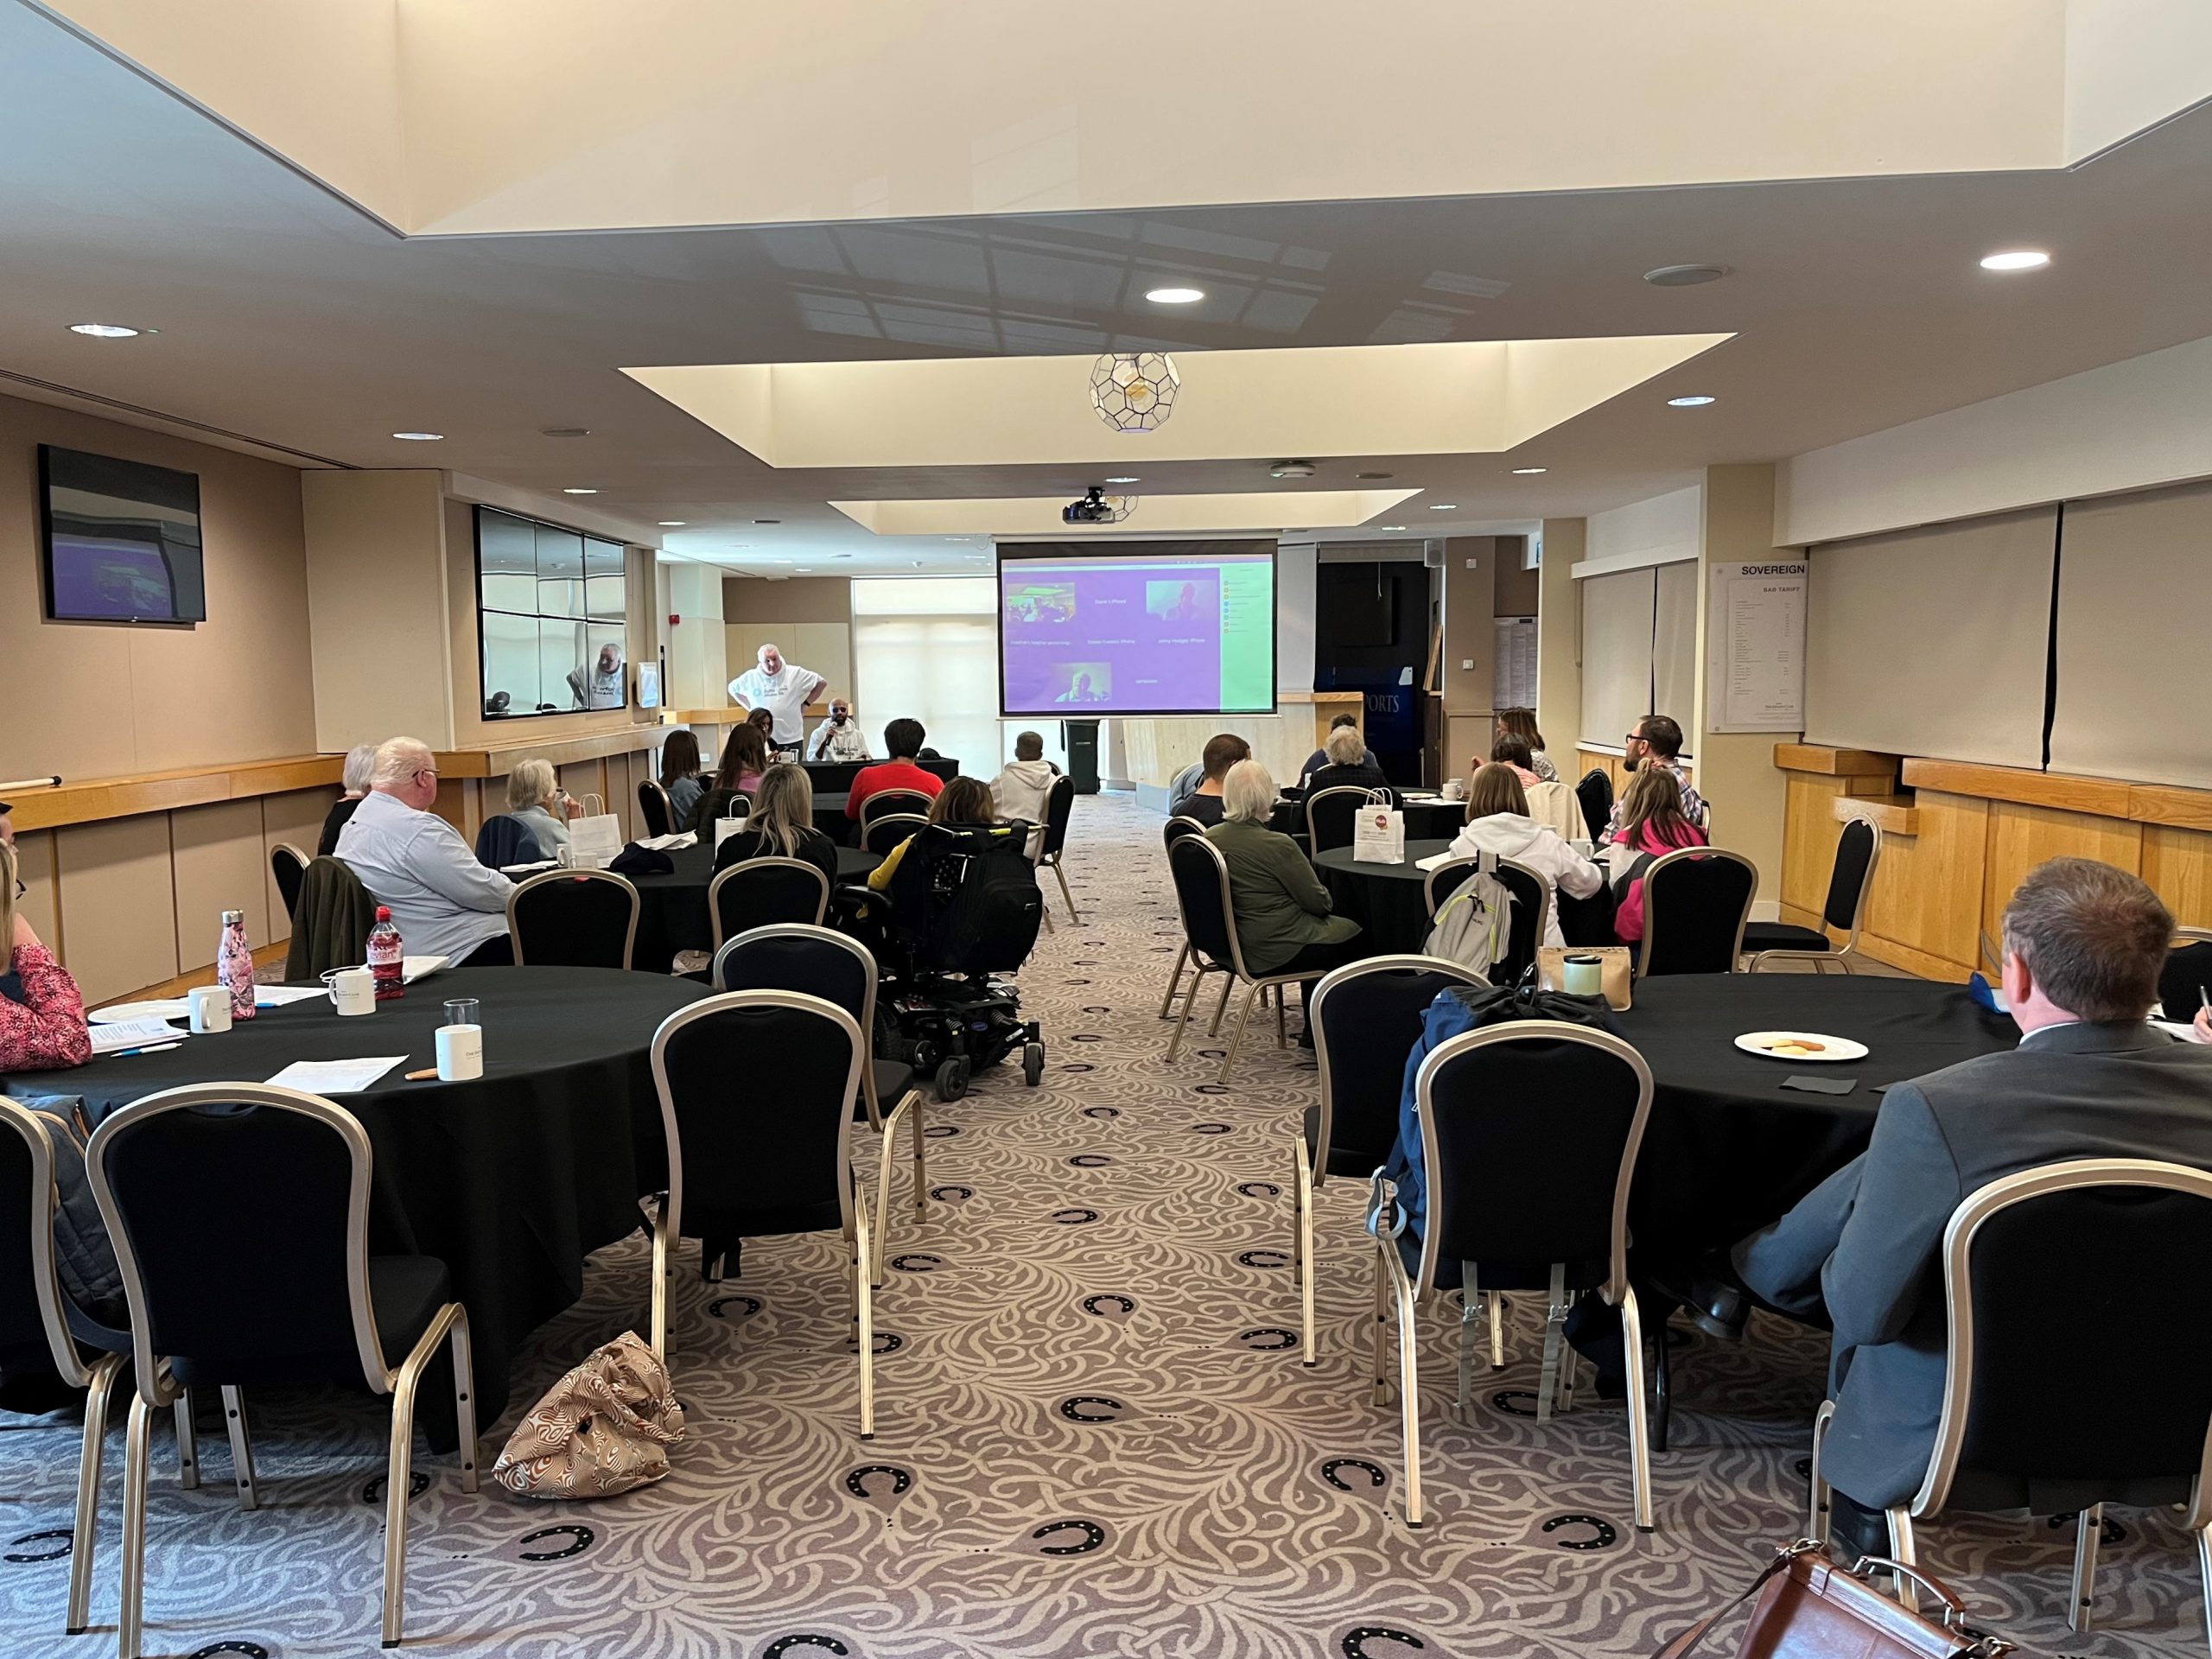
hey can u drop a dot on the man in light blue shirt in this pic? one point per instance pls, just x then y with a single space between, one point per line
415 863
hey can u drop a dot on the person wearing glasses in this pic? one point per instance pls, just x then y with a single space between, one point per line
444 903
1657 741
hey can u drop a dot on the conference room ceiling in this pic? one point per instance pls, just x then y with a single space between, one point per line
288 318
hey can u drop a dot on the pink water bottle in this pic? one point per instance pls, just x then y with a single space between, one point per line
234 965
387 957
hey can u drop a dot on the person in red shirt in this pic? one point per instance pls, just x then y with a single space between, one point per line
903 738
42 1014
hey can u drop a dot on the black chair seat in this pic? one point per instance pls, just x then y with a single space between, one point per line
1502 1276
1357 1162
893 1080
405 1292
1783 935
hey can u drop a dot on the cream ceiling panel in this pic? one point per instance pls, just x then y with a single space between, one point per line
1452 397
1158 515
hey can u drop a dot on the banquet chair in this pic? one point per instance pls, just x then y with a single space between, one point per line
1172 832
1850 885
1530 1136
887 829
838 969
284 1290
503 840
913 801
288 866
330 928
763 1163
1595 794
1328 813
1210 928
657 811
574 919
1366 1017
1528 921
2028 1422
2186 978
755 891
1696 902
1060 807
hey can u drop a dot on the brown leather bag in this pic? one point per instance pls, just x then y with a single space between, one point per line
1810 1608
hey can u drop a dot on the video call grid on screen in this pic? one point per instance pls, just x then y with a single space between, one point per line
1182 629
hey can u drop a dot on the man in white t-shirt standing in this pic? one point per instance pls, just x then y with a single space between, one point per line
784 689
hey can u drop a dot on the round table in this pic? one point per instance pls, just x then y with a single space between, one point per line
1390 901
672 908
1728 1148
511 1179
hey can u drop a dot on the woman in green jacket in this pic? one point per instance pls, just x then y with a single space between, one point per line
1284 919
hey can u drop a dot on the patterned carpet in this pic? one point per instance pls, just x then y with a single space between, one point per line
1093 1436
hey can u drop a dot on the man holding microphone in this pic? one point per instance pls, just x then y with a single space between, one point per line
839 737
784 689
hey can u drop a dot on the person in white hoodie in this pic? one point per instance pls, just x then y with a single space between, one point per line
1021 787
1499 823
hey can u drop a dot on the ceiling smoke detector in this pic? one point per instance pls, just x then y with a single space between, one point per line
1686 275
1292 469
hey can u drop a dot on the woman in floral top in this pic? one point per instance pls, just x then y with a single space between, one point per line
42 1016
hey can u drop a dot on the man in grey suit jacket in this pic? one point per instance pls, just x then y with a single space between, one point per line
2084 944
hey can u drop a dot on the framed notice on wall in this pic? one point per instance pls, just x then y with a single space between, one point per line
1755 647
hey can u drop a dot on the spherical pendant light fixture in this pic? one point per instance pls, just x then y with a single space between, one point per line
1135 391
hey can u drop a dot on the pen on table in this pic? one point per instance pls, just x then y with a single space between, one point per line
421 1077
151 1048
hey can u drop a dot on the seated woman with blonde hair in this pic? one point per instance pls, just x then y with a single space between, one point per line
1499 823
781 825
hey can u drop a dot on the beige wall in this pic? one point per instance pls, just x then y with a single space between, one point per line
91 699
1735 771
375 553
1559 638
809 618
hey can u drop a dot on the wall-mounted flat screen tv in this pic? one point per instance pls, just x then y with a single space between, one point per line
122 540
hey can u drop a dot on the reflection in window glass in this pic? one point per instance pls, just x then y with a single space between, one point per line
537 586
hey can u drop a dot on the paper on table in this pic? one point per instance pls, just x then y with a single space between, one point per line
674 843
530 868
414 967
2180 1028
334 1077
1435 859
132 1033
280 996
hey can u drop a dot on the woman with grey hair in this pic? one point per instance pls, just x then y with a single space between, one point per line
534 796
1285 922
1351 764
360 763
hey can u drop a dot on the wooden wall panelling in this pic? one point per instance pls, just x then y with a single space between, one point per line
2021 836
1808 845
216 860
34 867
2178 864
297 818
1157 749
118 904
579 779
1925 911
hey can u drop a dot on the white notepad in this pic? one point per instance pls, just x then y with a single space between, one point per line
114 1038
334 1077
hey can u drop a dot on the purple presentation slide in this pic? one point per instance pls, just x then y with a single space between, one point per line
1187 632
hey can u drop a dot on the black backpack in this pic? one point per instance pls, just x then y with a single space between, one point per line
970 896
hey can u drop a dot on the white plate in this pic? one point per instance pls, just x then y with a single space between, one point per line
1831 1048
168 1007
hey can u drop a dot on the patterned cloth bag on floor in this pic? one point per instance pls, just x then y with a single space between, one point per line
603 1428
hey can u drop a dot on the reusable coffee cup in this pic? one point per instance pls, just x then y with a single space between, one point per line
461 1052
1582 976
211 1008
352 990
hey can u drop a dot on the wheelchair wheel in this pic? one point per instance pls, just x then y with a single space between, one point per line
1032 1064
952 1077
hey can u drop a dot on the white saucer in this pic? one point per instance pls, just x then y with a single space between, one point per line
168 1007
1831 1049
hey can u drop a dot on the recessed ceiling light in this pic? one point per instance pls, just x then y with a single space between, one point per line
1175 296
1125 480
1444 506
103 330
1378 474
672 524
1529 472
767 521
1392 526
1685 276
2017 259
1698 400
420 437
579 491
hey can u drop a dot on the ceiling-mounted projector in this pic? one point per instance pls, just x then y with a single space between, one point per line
1292 469
1098 508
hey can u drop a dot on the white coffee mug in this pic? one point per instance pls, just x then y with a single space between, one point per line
211 1008
1583 845
1455 789
461 1052
1582 976
352 990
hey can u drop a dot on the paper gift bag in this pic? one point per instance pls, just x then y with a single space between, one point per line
1378 836
594 843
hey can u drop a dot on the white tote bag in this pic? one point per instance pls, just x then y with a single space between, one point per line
594 843
1378 836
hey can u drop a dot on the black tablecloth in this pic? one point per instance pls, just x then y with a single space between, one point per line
1427 820
672 909
511 1180
1390 901
1728 1148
